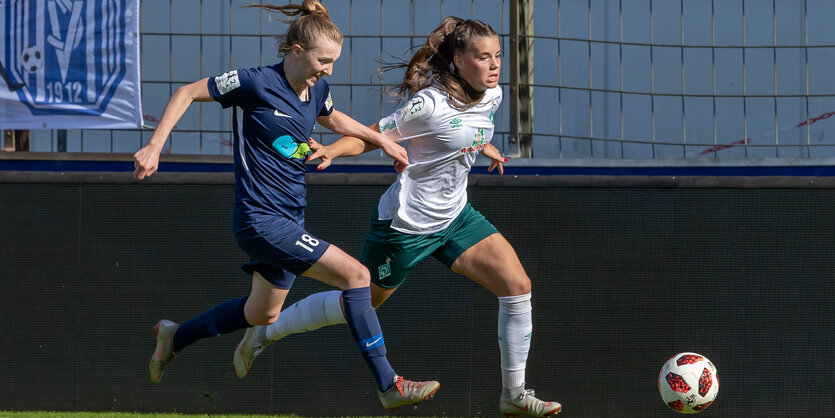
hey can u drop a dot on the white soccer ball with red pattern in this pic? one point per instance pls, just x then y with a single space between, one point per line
688 383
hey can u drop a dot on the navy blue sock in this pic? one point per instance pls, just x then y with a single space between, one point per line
362 319
224 318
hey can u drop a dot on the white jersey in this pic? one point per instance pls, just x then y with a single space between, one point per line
442 143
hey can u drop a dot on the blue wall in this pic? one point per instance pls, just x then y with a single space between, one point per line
697 102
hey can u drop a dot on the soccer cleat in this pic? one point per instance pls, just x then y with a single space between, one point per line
527 404
254 342
164 332
406 392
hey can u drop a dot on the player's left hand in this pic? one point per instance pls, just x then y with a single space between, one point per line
496 159
319 151
395 151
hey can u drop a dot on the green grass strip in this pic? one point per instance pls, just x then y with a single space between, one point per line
53 414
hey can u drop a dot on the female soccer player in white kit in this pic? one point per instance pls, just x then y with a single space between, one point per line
453 84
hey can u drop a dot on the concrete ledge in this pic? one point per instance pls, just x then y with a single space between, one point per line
475 180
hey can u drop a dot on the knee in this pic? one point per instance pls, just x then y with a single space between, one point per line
270 318
357 276
263 318
518 286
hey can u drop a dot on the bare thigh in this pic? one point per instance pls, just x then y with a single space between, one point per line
335 268
493 264
339 269
380 294
264 302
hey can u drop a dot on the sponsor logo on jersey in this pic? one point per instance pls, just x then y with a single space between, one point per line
414 109
288 147
455 123
282 115
227 82
473 148
387 125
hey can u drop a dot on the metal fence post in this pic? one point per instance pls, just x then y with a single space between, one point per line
513 97
521 76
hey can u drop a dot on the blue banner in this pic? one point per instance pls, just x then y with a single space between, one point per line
69 64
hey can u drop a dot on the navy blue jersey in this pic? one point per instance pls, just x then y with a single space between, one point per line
271 129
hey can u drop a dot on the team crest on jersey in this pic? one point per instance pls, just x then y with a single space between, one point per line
227 82
478 137
413 109
478 142
329 102
63 57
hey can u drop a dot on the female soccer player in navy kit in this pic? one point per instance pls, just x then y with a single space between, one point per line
452 82
279 106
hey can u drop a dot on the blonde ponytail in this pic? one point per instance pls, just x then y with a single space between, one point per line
313 23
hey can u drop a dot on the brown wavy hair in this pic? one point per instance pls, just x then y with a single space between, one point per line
313 23
433 62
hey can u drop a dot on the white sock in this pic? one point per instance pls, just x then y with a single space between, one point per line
312 312
515 330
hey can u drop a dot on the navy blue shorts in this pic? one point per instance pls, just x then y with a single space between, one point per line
279 249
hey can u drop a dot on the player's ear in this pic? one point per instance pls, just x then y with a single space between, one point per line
458 60
296 49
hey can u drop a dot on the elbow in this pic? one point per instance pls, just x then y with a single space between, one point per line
182 91
191 92
182 95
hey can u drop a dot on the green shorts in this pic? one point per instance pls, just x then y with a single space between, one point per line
390 255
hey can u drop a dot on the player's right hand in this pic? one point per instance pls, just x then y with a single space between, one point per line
146 161
496 158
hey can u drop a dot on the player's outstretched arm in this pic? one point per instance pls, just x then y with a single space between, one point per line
347 146
146 160
345 125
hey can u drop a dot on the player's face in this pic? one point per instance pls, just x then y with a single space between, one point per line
479 65
316 62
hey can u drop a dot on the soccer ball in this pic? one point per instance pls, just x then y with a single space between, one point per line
31 59
688 383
